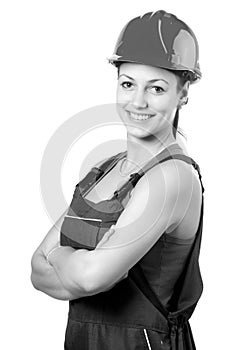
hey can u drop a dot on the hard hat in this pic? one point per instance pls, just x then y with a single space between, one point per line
159 39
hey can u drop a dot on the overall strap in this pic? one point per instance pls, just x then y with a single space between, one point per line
109 163
134 178
97 173
137 275
180 156
188 291
169 153
188 288
189 285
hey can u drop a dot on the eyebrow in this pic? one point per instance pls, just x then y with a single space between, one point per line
149 81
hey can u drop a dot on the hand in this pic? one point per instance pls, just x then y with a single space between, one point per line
106 237
55 252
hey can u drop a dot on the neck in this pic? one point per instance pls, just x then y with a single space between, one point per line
140 151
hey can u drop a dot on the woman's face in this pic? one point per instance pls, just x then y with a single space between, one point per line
147 99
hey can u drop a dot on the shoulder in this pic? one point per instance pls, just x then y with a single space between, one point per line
173 180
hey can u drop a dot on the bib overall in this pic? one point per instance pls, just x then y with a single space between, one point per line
150 308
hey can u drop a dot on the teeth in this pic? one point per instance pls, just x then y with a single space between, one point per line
140 116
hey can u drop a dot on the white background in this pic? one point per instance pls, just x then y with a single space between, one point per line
53 65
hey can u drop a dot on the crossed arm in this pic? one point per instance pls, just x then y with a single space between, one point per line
43 275
152 208
54 280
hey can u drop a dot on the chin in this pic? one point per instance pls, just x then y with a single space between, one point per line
137 132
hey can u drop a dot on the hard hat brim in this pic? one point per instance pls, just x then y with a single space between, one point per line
195 75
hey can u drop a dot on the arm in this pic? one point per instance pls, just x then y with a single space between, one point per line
45 279
158 201
72 267
43 275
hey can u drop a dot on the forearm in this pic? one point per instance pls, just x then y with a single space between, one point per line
71 267
45 279
75 269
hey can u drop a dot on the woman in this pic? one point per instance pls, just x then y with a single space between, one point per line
128 261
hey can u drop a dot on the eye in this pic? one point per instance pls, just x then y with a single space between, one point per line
157 89
126 85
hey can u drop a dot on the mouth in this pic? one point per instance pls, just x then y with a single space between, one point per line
140 117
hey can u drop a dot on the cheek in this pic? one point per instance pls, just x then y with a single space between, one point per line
164 103
122 96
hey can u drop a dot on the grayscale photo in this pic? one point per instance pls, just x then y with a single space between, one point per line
128 263
120 112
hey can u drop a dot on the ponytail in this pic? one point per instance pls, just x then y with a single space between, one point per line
176 128
175 123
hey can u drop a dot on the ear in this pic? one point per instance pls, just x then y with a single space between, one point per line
185 89
183 99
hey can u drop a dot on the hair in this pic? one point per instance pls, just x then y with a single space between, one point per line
183 76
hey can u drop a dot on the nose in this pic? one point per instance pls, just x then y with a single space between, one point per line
139 99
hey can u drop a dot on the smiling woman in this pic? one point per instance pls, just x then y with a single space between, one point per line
155 101
128 263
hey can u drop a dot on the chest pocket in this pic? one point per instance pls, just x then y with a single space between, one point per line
86 223
79 233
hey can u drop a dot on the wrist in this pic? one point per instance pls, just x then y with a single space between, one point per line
51 253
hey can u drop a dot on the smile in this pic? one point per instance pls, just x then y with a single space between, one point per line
136 116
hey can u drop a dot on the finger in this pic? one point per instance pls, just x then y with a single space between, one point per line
105 238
